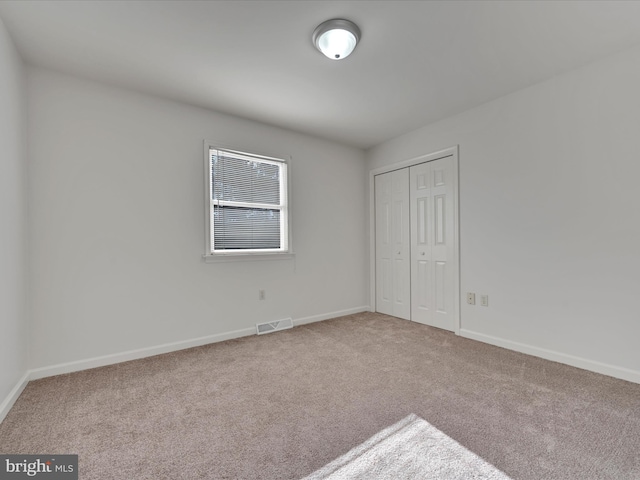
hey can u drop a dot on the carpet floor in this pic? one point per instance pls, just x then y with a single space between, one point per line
280 406
411 448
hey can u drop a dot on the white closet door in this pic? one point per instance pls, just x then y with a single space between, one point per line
393 292
421 240
432 243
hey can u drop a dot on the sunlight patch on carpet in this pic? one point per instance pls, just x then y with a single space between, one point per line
411 448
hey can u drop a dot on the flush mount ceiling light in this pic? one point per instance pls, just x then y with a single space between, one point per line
336 38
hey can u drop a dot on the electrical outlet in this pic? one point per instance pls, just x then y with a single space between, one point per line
484 300
471 298
262 295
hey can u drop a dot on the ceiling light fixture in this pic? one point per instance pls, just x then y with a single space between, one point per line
336 38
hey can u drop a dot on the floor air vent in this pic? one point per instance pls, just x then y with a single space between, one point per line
268 327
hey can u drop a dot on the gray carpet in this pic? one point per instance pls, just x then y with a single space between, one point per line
411 448
283 405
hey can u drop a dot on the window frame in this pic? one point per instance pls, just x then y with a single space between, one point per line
253 254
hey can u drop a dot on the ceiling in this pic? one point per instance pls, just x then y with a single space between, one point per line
417 62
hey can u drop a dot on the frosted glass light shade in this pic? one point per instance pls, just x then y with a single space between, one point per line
336 38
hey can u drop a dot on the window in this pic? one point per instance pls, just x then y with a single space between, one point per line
247 202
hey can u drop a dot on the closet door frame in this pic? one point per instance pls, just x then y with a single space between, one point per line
448 152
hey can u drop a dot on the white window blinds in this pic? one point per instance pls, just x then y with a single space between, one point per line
248 203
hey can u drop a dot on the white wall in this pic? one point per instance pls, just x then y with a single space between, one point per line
13 220
550 214
116 185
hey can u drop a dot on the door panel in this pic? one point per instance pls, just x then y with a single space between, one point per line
434 223
441 287
393 244
421 265
422 221
439 220
386 281
423 282
384 274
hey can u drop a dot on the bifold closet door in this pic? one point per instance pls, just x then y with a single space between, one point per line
432 243
393 277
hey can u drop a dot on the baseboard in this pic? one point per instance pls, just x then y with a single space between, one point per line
326 316
579 362
8 402
102 361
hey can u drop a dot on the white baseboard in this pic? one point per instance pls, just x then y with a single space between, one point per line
78 365
327 316
8 402
579 362
102 361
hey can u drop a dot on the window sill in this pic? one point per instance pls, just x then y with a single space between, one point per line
246 257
